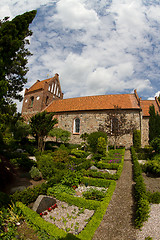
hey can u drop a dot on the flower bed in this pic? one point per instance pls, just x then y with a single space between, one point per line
72 219
98 207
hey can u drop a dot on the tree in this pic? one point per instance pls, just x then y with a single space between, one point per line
41 124
21 130
117 124
93 139
60 134
13 60
154 124
13 55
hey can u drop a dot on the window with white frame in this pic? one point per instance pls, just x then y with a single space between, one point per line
76 128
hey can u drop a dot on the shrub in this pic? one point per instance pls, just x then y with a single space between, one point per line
101 146
153 197
137 138
71 178
60 188
94 194
23 161
79 153
142 204
35 173
93 139
152 167
46 165
142 213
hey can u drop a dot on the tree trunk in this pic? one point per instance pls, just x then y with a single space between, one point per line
41 143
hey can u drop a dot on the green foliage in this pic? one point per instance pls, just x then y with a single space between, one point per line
8 219
154 123
60 188
21 130
41 124
94 194
46 165
88 232
4 199
101 146
142 213
23 161
153 197
93 139
71 178
60 134
79 153
13 55
49 163
61 155
142 204
152 167
35 173
155 143
137 138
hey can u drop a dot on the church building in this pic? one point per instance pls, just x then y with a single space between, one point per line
117 114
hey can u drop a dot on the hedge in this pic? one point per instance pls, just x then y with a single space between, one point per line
95 174
142 204
89 230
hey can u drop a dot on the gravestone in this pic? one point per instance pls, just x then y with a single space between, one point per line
43 203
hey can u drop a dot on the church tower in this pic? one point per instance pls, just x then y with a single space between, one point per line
40 95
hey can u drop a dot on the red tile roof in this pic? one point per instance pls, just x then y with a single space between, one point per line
40 84
102 102
145 104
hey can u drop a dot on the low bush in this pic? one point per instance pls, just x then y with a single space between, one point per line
152 167
71 178
94 194
79 153
142 203
60 188
153 197
23 161
142 212
35 173
29 195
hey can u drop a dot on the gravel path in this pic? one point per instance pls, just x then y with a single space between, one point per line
118 222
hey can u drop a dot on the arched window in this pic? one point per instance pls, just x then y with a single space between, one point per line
47 100
114 125
31 101
76 125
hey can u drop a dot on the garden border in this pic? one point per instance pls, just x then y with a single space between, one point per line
89 230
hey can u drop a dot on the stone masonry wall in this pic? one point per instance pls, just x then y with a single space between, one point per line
145 132
91 121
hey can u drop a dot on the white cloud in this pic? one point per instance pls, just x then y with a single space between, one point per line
75 15
97 47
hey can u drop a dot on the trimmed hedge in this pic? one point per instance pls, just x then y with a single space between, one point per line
29 195
142 204
95 174
89 230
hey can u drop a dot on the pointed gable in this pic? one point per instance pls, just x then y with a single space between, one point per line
145 105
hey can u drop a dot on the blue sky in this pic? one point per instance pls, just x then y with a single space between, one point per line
97 47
